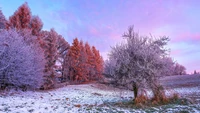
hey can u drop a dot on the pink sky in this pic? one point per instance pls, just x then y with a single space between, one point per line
102 22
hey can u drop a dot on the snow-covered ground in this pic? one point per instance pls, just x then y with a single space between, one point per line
86 98
68 99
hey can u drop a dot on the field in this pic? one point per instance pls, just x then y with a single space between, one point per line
95 97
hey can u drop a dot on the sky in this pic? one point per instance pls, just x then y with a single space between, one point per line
102 22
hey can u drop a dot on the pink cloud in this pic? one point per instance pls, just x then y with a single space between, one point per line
93 31
187 36
175 52
192 65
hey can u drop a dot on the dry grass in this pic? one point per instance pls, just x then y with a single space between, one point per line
143 102
160 99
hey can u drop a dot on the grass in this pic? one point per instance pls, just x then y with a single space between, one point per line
142 102
177 105
173 108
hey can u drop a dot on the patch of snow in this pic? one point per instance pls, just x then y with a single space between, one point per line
76 99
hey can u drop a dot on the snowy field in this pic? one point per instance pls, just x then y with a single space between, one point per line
90 98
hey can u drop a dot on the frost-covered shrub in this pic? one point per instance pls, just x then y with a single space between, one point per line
21 64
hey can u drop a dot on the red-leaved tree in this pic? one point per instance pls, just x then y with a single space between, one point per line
90 62
98 63
23 19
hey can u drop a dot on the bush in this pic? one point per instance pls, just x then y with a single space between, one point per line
21 64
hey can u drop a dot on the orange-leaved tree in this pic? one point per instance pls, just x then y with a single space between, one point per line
90 62
83 62
98 63
74 72
23 19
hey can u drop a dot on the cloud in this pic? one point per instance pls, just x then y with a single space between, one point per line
187 37
102 22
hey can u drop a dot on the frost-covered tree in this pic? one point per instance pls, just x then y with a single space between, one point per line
49 44
169 66
21 64
138 60
62 49
2 21
179 69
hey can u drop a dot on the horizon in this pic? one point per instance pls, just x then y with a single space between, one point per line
102 23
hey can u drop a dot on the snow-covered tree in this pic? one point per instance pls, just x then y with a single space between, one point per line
138 60
49 45
169 65
62 49
21 64
179 69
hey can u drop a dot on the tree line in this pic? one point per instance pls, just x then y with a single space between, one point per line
34 58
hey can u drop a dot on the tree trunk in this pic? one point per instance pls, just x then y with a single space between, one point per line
135 89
